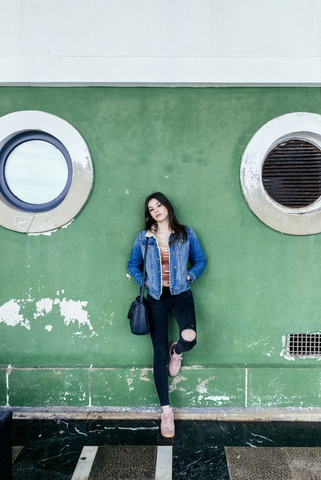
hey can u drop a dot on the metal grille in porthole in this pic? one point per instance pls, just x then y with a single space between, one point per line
304 345
291 173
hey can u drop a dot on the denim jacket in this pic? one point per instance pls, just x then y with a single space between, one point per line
179 254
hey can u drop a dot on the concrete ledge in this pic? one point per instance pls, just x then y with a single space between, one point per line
110 413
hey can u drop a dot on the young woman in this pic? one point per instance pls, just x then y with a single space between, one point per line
167 279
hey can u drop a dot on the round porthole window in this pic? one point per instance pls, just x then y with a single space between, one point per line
35 172
281 173
46 172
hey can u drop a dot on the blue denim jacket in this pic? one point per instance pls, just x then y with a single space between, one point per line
179 254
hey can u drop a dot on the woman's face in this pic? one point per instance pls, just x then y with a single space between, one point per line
157 211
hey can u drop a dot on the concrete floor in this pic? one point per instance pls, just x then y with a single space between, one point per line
130 450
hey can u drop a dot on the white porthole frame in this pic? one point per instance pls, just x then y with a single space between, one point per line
82 176
293 221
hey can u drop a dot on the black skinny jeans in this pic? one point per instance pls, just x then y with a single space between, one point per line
182 307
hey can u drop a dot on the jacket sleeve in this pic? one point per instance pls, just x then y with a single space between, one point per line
197 257
136 261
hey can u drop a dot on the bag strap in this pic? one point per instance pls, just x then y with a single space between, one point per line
143 283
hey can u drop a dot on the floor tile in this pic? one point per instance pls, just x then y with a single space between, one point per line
246 463
284 463
124 463
305 462
52 448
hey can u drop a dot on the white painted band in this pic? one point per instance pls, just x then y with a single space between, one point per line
85 463
164 463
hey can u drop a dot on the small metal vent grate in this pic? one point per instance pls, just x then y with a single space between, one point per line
291 173
304 345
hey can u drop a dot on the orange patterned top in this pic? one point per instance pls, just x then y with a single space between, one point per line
165 264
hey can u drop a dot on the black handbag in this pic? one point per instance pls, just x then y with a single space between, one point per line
137 314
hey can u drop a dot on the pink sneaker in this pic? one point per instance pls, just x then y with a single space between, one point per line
167 423
174 362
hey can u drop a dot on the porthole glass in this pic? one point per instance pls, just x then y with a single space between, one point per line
35 171
46 172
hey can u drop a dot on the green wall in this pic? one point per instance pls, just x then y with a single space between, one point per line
259 285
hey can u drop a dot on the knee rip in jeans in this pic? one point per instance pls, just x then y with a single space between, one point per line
188 335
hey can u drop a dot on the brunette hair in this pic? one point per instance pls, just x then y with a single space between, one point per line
178 229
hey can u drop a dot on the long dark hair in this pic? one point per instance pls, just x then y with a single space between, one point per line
178 229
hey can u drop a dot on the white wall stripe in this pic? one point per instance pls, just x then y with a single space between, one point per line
9 370
85 463
164 463
246 383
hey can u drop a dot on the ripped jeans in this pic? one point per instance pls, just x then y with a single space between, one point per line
182 307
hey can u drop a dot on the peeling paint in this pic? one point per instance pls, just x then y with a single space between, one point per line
287 357
218 398
263 344
67 224
283 352
129 382
143 375
43 306
175 381
9 314
202 387
47 234
72 311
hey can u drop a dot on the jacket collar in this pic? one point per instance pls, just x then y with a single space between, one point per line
150 233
